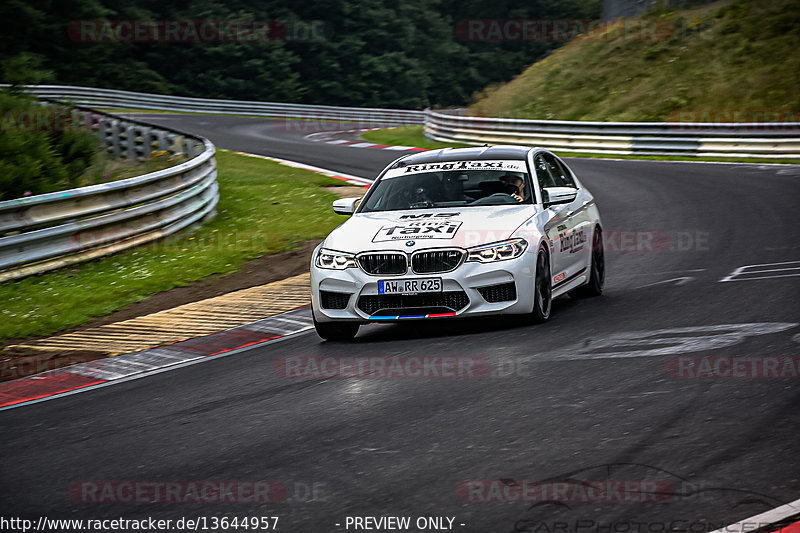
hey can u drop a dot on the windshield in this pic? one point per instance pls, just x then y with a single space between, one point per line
451 184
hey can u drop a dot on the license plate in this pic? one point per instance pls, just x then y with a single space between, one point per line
409 286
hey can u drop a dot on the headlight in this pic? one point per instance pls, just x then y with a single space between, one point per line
335 260
498 251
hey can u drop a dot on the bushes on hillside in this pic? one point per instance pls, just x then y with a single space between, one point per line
41 148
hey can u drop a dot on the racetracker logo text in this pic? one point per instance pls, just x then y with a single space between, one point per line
720 120
42 119
177 492
380 367
728 367
563 30
569 491
194 31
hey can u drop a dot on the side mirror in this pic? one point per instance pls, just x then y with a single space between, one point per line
558 195
345 206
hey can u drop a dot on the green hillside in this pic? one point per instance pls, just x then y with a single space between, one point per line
684 65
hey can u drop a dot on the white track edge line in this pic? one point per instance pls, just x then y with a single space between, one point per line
297 164
763 520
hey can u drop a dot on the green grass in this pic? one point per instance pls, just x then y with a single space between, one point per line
405 136
264 208
730 56
413 136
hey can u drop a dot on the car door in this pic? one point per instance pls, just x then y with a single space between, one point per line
557 221
579 243
568 229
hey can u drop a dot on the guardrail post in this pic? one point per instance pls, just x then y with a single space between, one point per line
193 148
161 141
140 142
148 138
175 144
128 140
112 137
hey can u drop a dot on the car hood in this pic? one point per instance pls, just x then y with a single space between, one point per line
428 228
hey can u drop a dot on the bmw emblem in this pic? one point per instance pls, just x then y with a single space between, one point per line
409 243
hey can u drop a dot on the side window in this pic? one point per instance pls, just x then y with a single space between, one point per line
561 176
543 174
568 179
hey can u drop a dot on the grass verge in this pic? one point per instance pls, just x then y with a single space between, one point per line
413 136
406 136
264 208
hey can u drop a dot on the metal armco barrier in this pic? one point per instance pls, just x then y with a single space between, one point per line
778 141
110 98
48 231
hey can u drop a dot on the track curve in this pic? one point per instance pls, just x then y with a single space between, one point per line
588 395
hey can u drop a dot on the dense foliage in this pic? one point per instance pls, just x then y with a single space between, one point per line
40 150
366 53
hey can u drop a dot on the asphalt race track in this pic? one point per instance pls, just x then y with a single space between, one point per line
593 395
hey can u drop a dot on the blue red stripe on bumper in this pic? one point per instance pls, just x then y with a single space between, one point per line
400 317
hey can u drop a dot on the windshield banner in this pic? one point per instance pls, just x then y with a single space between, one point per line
501 166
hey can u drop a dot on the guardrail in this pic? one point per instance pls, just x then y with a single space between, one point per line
48 231
608 138
778 141
110 98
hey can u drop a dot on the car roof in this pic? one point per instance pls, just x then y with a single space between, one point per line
466 154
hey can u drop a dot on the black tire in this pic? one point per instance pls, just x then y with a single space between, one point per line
336 331
597 270
542 288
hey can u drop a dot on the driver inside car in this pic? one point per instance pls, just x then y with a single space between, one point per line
516 186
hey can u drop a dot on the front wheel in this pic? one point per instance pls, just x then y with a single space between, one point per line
335 331
542 289
597 268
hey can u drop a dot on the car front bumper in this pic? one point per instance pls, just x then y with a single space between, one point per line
469 278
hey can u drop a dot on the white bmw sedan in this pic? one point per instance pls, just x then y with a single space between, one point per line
458 232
